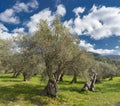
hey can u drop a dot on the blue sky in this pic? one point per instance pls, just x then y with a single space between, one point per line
96 22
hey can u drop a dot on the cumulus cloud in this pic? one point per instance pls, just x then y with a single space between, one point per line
78 10
117 47
2 27
18 30
61 10
100 22
69 25
86 45
8 35
9 15
45 14
3 31
5 34
91 48
19 7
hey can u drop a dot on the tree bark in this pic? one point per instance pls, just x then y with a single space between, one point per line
61 77
93 80
111 77
90 84
86 87
51 88
16 74
26 77
58 73
74 80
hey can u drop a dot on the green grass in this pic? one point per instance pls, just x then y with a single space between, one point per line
15 92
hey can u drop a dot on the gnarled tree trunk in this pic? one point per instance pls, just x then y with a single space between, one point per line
74 80
16 74
26 76
90 84
93 80
61 77
59 73
111 77
86 86
51 88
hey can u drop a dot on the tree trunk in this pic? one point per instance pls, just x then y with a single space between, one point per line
93 80
61 77
58 73
51 88
111 77
26 77
16 74
86 86
74 80
90 84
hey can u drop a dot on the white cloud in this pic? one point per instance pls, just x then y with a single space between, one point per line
117 47
103 51
2 27
78 10
9 15
18 30
86 45
33 4
45 14
3 31
100 22
61 10
19 7
5 34
69 25
8 35
89 47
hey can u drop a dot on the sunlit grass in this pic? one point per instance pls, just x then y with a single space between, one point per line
16 92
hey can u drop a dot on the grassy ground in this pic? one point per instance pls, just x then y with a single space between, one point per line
15 92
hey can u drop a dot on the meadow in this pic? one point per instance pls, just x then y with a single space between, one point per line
16 92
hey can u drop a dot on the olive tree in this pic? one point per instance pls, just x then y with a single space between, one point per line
55 47
5 53
79 65
25 62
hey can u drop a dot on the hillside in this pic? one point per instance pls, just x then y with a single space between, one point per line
111 57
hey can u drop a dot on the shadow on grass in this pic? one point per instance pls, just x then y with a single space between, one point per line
73 87
25 91
107 86
7 78
111 87
69 82
10 80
